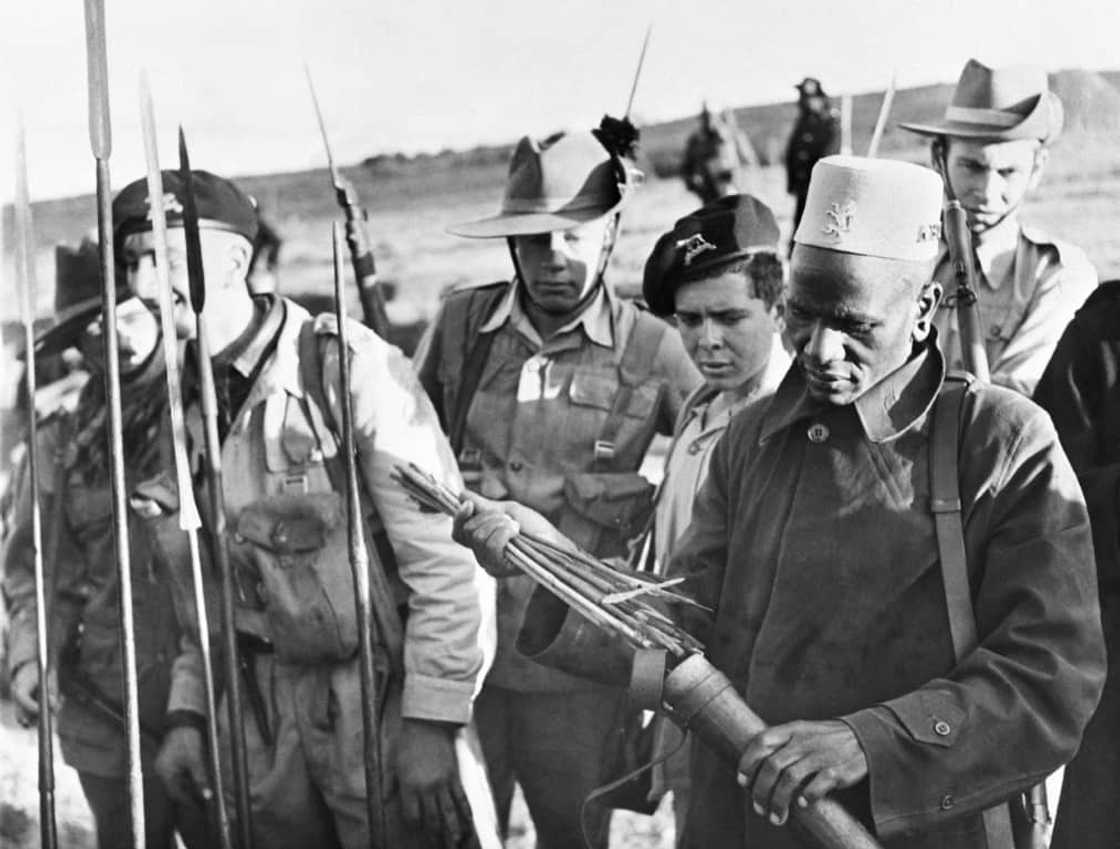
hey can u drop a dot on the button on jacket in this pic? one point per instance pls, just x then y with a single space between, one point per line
813 542
1030 287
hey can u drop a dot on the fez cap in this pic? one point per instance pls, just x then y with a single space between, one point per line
873 207
1000 104
221 206
556 184
713 237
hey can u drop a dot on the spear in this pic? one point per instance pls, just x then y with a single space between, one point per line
637 72
100 138
881 122
361 257
359 565
217 502
189 519
25 274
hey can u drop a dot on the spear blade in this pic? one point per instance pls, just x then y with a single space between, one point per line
190 228
97 68
638 71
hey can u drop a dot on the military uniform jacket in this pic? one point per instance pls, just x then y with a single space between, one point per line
1081 391
535 420
1023 306
84 613
272 450
814 543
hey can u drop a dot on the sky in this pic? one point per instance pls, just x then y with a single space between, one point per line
421 75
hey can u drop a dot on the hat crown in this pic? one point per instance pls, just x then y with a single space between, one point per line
873 207
77 275
563 173
220 203
1014 88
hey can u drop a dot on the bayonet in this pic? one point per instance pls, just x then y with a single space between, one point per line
361 256
25 275
214 487
189 519
101 145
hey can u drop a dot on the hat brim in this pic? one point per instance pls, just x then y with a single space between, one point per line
1039 123
504 225
65 331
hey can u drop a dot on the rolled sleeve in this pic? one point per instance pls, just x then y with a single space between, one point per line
450 635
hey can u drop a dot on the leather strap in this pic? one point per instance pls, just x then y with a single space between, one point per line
945 502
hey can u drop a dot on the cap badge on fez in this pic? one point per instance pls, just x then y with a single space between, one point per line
694 246
170 204
839 218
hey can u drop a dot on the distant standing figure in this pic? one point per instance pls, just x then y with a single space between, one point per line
714 155
815 135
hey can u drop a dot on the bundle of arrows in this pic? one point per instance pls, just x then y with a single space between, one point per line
616 600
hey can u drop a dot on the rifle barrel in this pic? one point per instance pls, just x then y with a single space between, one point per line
968 319
25 264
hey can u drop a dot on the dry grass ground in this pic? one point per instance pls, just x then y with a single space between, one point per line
1080 201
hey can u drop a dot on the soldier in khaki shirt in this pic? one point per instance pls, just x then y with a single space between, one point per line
991 149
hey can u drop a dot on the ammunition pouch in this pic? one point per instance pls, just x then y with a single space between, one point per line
292 551
606 509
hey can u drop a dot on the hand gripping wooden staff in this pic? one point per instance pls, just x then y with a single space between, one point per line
219 538
25 275
100 139
189 519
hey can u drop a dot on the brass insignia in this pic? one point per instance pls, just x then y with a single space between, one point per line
929 232
170 204
694 246
839 219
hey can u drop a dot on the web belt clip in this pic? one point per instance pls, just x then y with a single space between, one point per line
604 449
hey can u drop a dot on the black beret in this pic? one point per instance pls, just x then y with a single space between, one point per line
716 235
221 206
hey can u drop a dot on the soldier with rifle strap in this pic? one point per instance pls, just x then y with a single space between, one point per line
276 373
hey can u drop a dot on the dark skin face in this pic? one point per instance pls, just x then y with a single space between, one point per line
852 323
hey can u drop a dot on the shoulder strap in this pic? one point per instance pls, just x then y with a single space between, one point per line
634 368
476 351
945 502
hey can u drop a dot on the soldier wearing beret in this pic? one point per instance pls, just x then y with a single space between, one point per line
718 274
991 148
897 562
277 373
83 590
551 389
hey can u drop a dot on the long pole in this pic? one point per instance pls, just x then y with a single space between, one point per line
217 504
25 274
189 519
359 565
100 138
881 121
638 72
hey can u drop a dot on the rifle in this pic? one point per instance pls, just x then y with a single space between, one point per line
100 138
214 486
962 256
189 520
359 567
25 264
361 256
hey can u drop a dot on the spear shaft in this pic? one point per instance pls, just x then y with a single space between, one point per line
638 72
101 145
359 566
25 274
881 121
189 519
217 504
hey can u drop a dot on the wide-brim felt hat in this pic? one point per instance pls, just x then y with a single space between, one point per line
1000 104
556 184
715 236
77 296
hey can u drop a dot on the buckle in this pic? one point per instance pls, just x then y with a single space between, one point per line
604 449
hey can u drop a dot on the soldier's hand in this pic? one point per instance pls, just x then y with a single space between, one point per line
800 763
432 798
26 693
182 767
486 527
